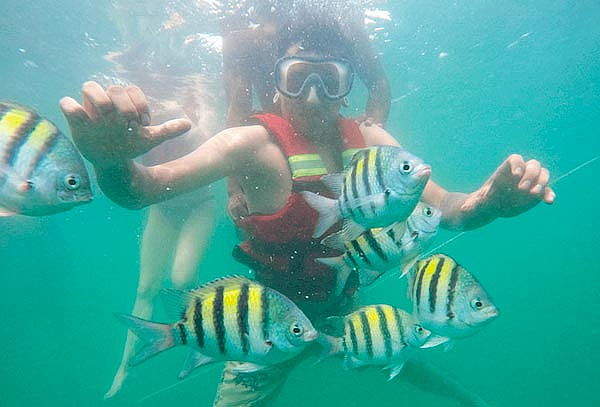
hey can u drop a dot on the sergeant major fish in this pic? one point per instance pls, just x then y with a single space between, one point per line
41 172
448 300
381 185
375 335
380 249
228 319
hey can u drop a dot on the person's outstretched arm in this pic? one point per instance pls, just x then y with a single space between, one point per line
513 188
111 128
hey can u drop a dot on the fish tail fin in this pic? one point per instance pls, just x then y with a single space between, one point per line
342 271
328 209
334 241
330 344
157 337
408 266
367 276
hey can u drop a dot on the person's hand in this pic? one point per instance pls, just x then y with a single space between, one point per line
513 188
237 206
367 121
112 126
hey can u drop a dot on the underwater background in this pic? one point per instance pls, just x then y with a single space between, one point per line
471 83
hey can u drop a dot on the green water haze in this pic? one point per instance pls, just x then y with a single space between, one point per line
472 82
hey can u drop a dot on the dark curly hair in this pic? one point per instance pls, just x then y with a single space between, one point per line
322 38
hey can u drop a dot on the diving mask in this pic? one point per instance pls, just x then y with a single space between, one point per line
294 74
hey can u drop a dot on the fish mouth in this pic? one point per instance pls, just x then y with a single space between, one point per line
423 172
85 198
493 313
81 200
311 336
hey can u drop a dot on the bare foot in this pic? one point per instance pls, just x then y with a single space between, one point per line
117 383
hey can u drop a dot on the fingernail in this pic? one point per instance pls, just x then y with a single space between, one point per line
145 119
518 171
525 184
537 189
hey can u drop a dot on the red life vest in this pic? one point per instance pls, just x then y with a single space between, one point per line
280 248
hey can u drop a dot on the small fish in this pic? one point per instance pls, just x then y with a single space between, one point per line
41 171
447 299
381 185
380 249
228 319
375 335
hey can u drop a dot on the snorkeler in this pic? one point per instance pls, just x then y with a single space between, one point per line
250 51
268 160
177 231
250 40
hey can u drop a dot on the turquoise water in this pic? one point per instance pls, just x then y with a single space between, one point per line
471 82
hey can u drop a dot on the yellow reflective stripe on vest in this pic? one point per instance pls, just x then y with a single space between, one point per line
304 157
306 165
309 172
310 165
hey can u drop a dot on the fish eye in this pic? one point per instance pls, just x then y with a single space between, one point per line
406 167
427 212
296 330
72 182
419 330
476 304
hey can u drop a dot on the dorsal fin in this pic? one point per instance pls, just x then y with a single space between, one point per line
176 301
220 282
360 154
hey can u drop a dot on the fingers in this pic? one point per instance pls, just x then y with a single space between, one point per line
516 164
123 104
532 173
549 195
511 170
542 181
535 181
168 130
128 104
73 111
141 104
95 100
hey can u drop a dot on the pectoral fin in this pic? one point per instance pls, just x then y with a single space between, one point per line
247 368
395 370
435 340
195 359
350 362
6 212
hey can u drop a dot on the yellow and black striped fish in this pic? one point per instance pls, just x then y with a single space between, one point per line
378 250
41 171
228 319
381 185
447 299
375 335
